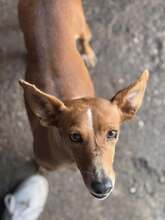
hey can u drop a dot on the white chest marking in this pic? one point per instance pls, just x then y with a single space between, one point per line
90 118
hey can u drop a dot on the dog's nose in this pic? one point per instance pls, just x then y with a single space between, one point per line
103 187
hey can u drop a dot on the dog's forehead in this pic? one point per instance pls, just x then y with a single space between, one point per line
95 112
106 114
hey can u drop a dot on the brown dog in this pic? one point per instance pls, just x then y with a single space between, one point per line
70 124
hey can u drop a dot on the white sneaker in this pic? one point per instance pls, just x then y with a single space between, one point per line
28 201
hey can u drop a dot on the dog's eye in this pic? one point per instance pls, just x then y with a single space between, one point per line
76 137
112 134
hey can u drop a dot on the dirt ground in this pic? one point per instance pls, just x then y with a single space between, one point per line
129 36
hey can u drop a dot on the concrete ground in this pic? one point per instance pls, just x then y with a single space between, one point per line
129 36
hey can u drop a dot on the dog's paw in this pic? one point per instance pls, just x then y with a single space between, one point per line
43 171
90 59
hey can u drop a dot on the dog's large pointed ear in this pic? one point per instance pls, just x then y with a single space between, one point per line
45 107
130 99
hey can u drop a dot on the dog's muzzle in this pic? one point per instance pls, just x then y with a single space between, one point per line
101 189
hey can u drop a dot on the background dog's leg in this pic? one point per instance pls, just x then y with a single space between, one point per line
88 53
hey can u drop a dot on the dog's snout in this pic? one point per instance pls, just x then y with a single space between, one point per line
99 183
101 188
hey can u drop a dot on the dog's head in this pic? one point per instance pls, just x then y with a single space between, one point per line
90 128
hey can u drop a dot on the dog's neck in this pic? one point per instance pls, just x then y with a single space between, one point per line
54 149
54 63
